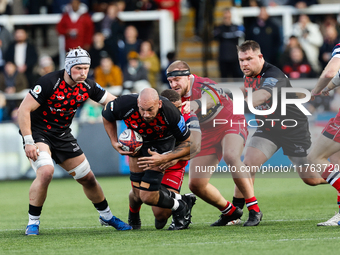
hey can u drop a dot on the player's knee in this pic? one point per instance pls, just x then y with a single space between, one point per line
81 171
148 197
45 174
311 181
195 186
231 158
44 160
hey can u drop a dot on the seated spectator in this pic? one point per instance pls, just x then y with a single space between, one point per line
5 40
135 75
331 38
46 65
292 43
99 49
298 66
310 38
130 43
150 61
76 25
12 81
23 54
109 76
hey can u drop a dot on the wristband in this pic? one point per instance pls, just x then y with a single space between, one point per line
199 103
314 94
28 140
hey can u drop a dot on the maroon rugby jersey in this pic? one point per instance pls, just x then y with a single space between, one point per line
59 101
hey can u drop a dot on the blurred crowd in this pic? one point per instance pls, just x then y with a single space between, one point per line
125 55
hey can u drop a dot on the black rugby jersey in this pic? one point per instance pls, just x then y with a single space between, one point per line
272 77
168 122
59 101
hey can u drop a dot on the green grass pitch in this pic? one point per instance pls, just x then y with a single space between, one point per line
69 222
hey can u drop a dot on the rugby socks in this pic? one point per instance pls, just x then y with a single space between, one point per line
165 201
339 201
171 193
252 204
103 209
239 202
34 214
228 209
332 176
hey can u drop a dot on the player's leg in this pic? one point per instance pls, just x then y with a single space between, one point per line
258 152
151 194
81 171
232 145
321 150
44 169
162 214
199 184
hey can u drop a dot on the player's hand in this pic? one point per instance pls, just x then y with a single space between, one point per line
168 164
32 151
186 107
118 147
156 159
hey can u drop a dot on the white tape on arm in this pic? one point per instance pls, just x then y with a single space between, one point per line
28 139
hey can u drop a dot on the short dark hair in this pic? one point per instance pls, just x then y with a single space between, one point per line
172 95
248 45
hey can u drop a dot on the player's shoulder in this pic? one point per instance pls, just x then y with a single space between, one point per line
270 70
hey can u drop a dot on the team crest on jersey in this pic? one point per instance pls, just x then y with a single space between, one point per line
37 89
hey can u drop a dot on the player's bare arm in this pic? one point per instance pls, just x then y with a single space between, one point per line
328 73
28 105
260 96
111 130
156 159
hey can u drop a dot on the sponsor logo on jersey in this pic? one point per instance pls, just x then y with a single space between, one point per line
37 89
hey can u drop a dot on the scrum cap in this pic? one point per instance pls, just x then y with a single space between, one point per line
77 56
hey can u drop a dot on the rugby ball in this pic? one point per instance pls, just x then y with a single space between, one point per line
131 140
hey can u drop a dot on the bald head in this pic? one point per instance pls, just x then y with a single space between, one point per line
148 104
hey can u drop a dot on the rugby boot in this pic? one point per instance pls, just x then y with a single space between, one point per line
181 218
224 219
190 199
134 220
32 230
115 222
254 218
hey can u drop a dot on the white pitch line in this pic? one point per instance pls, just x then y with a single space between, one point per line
151 225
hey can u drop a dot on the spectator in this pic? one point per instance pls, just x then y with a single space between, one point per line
302 4
113 30
12 81
58 6
45 66
267 34
198 5
310 38
331 38
297 65
292 42
130 43
23 54
99 49
108 75
76 25
229 36
135 75
174 7
5 40
150 62
5 7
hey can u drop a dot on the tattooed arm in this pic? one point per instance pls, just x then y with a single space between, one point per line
156 159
